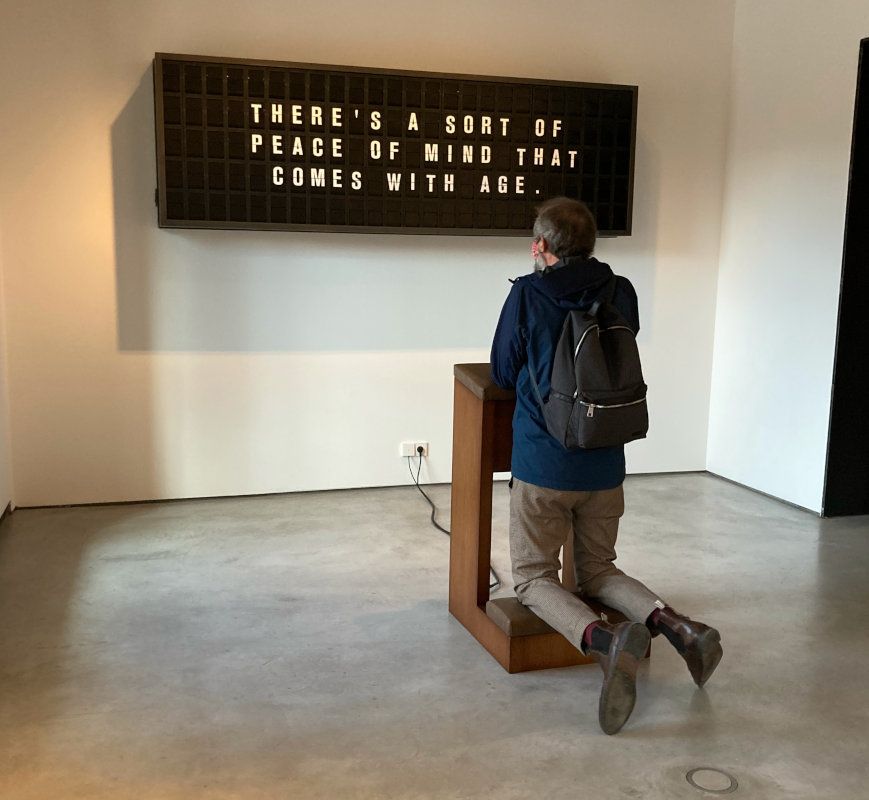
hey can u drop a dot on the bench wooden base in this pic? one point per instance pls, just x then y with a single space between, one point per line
482 445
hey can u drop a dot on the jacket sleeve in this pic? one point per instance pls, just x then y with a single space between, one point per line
508 347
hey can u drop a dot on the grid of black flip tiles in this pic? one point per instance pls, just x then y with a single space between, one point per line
212 179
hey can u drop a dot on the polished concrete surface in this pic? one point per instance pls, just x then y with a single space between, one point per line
299 646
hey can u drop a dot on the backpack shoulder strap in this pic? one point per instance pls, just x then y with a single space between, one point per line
606 296
532 372
534 383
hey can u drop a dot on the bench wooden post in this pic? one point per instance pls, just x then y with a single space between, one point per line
482 445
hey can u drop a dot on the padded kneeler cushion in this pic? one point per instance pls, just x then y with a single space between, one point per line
516 620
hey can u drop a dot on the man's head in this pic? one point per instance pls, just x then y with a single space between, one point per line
563 228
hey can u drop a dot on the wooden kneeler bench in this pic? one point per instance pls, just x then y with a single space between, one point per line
516 620
482 446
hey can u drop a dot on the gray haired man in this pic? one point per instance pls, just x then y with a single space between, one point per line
558 493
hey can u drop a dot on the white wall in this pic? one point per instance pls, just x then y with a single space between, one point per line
151 363
5 453
794 80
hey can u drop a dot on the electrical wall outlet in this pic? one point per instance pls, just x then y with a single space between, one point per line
410 449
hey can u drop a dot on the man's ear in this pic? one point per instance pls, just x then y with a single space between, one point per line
543 246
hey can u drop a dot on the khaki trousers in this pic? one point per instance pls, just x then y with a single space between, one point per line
540 522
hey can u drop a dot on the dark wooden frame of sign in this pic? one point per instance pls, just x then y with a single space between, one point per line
259 226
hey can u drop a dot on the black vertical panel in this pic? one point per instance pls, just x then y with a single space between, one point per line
847 479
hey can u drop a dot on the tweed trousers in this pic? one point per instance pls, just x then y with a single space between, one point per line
540 521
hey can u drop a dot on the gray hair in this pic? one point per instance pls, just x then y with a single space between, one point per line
568 227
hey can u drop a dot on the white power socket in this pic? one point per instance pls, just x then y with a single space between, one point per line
410 449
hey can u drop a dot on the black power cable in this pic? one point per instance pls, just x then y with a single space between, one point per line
496 584
415 479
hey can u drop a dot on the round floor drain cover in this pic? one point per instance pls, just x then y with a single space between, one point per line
710 779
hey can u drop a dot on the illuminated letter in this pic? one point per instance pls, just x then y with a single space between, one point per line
556 158
572 154
469 123
278 176
393 150
297 115
556 127
393 181
467 154
431 180
375 121
451 123
256 140
316 115
502 184
431 151
449 182
336 117
505 121
413 123
318 176
277 145
539 127
298 176
520 184
337 144
485 154
317 147
538 156
484 186
375 148
486 125
256 107
337 178
356 180
521 151
277 113
298 150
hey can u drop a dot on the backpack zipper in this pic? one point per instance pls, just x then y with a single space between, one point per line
576 353
587 331
593 406
600 330
617 328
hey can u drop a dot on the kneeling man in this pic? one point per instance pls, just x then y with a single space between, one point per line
556 492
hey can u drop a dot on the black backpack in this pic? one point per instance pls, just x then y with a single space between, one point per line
597 396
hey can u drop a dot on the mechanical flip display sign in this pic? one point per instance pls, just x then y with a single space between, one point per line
264 145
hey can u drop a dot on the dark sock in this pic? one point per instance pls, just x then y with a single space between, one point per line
597 638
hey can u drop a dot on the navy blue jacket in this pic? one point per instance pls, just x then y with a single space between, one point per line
528 332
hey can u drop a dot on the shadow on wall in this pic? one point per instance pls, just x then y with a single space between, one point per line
188 290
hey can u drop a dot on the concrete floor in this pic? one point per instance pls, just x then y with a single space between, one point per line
299 646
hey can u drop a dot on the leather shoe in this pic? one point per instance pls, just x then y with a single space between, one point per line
697 643
618 693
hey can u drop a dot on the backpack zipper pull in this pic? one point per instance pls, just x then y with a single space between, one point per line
590 412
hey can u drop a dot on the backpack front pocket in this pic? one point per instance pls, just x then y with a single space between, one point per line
609 424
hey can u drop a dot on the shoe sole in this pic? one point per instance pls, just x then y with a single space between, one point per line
619 691
704 656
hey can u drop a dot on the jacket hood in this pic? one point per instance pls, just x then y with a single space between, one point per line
573 282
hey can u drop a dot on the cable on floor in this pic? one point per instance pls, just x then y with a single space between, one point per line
496 583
